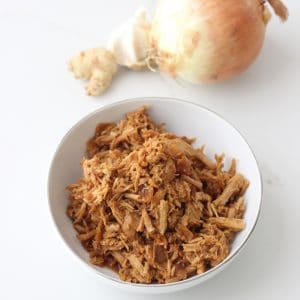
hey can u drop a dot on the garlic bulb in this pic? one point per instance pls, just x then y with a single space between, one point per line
130 42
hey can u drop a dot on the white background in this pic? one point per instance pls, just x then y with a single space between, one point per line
40 101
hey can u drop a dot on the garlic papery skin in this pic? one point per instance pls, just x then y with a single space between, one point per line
130 43
207 41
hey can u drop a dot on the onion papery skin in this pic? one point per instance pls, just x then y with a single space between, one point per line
207 40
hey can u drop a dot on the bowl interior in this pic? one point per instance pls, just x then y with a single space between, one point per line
180 117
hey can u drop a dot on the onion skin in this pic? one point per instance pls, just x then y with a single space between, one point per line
207 40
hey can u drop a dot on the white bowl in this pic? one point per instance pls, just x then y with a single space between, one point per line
181 117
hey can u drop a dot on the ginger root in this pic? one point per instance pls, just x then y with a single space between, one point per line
96 65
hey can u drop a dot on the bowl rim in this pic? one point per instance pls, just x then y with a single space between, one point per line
194 278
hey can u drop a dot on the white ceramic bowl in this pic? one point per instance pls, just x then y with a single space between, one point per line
181 117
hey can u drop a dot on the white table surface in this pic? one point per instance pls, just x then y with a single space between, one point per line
40 101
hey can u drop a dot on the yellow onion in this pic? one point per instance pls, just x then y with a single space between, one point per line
209 40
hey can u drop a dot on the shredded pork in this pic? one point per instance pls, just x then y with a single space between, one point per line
152 207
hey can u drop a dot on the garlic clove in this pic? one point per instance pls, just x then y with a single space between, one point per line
130 43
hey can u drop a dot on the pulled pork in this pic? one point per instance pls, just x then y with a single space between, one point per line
152 207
